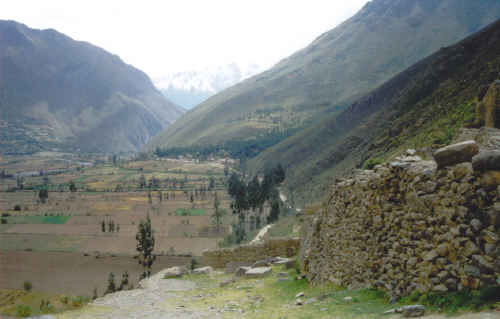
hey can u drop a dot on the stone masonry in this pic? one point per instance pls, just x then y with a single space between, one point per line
407 225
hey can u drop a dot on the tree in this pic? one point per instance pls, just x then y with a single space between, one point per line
145 246
211 184
43 194
20 182
103 226
160 196
142 181
72 187
150 198
219 213
111 284
124 281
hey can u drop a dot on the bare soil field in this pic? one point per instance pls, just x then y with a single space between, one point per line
71 273
45 242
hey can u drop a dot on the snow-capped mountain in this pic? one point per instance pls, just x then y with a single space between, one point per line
190 88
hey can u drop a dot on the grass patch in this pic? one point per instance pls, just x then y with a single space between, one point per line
23 303
189 212
38 219
453 302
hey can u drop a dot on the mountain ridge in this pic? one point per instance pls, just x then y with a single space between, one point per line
338 67
422 107
58 93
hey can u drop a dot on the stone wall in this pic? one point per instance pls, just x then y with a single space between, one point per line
407 225
251 253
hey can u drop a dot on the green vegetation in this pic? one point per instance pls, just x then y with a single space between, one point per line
240 149
273 298
422 107
145 246
51 219
189 212
27 285
453 302
23 311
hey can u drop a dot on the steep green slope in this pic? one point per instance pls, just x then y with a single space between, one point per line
384 38
421 107
59 93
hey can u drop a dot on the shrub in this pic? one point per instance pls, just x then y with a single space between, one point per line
193 264
79 301
64 300
17 208
27 285
23 311
372 162
3 221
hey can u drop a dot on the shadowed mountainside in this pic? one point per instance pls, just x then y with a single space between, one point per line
422 107
57 93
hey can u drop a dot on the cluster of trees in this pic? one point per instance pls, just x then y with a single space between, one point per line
112 287
112 227
235 149
252 196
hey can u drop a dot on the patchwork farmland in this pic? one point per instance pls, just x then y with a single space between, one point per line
93 210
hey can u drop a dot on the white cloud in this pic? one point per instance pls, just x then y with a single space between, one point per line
162 37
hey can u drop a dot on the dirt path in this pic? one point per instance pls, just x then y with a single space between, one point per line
158 299
261 234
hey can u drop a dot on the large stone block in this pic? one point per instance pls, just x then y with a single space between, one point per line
456 153
487 160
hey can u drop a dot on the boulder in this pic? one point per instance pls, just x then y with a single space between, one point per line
173 272
203 270
232 266
486 160
456 153
258 272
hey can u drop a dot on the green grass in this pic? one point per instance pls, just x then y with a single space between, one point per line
38 219
189 212
277 298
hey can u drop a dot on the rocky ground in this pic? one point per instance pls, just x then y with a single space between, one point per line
201 296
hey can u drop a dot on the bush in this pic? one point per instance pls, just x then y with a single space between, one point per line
23 311
372 162
64 300
27 285
3 221
17 208
79 301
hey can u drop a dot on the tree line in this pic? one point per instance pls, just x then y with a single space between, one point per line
249 197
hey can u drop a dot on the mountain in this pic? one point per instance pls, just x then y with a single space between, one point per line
190 88
423 108
58 93
382 39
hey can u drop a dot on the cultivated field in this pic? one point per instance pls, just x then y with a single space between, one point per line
54 244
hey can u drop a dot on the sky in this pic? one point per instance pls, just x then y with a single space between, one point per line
163 37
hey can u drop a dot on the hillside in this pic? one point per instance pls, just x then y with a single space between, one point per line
422 107
332 72
57 93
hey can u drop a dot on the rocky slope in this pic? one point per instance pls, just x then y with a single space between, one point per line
59 93
325 77
424 106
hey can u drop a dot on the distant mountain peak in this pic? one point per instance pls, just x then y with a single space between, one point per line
189 88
